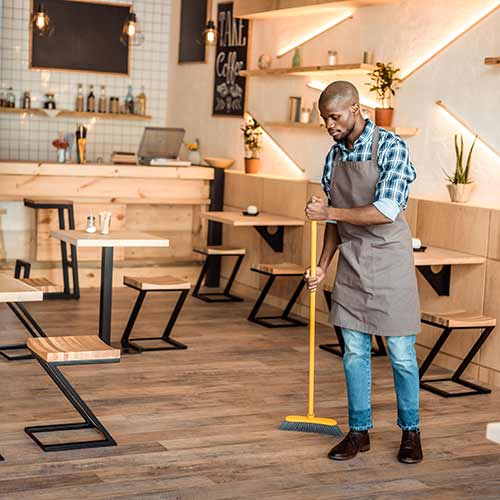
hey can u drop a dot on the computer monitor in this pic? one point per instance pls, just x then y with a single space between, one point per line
160 143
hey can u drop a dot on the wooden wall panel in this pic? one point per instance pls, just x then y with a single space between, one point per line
241 190
494 240
490 354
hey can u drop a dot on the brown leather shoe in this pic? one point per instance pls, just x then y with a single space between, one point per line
348 448
410 451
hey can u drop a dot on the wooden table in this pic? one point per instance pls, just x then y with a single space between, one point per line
260 222
433 256
107 243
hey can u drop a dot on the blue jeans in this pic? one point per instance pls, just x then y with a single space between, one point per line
357 368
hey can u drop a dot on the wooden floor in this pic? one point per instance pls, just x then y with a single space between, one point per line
203 423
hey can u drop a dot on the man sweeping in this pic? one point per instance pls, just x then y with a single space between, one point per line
366 179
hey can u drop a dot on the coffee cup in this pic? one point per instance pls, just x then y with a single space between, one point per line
252 210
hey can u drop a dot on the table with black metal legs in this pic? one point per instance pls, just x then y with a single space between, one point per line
13 291
107 242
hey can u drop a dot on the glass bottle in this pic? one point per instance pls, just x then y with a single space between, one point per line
296 59
129 100
91 100
27 100
11 98
102 100
2 100
79 99
141 102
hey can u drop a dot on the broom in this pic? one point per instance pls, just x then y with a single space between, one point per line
311 423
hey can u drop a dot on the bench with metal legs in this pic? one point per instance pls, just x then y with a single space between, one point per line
338 348
273 271
62 207
54 352
212 253
449 322
158 284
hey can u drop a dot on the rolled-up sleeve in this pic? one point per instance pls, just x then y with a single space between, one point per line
396 175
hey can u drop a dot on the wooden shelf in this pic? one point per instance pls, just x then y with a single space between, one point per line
313 71
401 131
105 116
21 111
270 9
492 61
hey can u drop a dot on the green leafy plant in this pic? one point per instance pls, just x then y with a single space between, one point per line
461 174
252 135
384 82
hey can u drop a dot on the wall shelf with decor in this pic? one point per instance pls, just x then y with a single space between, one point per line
21 111
75 114
492 61
313 71
270 9
401 131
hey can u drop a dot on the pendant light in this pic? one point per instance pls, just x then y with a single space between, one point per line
131 32
42 24
210 34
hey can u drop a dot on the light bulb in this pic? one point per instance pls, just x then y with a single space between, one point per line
40 21
210 37
131 29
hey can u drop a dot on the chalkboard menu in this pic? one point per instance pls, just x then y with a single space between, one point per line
230 59
193 20
86 38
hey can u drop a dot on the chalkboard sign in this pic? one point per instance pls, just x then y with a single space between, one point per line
230 59
86 38
193 21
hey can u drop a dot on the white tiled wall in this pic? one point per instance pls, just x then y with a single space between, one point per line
29 137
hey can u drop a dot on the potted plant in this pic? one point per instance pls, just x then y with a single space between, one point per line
384 85
252 135
461 186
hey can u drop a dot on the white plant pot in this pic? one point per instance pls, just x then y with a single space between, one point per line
194 157
460 193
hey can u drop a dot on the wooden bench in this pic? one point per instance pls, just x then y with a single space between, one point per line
154 284
338 348
61 206
449 322
273 271
52 352
213 254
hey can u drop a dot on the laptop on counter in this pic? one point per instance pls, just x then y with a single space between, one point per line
161 146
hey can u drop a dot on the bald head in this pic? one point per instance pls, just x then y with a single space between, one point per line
340 94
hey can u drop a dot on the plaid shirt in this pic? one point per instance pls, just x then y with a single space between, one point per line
396 170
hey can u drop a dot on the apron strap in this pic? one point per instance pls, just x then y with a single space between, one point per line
375 143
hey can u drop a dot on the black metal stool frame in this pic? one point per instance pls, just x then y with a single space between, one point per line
456 377
90 420
65 262
338 348
225 295
286 320
131 347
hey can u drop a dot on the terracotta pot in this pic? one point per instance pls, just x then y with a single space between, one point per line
460 193
252 165
383 116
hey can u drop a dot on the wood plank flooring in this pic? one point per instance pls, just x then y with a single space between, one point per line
203 423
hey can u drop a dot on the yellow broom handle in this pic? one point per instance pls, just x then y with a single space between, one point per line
312 321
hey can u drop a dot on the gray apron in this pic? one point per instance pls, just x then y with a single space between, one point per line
375 288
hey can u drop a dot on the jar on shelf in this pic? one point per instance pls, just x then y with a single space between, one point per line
50 102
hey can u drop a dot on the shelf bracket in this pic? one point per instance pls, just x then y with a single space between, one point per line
274 240
439 281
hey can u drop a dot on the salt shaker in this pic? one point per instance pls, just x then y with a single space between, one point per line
90 224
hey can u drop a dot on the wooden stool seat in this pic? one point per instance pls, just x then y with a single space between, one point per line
220 250
43 202
72 349
449 322
459 319
157 283
284 269
42 284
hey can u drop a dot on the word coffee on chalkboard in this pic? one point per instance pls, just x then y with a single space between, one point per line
230 59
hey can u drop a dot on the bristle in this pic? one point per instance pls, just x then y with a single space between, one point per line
332 430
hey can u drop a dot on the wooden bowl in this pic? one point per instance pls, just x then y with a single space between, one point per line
218 162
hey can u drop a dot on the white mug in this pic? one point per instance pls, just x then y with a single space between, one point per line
252 210
104 222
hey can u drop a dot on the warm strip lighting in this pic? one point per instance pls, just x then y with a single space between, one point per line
275 145
313 34
465 126
317 85
444 44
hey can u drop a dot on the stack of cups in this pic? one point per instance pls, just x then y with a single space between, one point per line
104 222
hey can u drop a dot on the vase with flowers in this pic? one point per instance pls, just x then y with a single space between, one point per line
194 152
384 82
252 136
